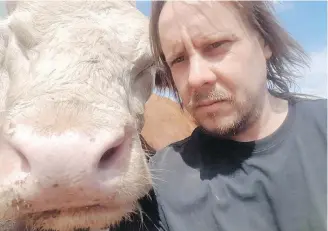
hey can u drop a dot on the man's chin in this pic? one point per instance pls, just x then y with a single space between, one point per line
224 126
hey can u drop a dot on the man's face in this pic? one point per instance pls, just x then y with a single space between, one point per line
218 63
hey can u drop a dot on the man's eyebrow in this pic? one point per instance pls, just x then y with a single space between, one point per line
200 38
177 48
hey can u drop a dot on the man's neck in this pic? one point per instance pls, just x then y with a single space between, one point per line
273 114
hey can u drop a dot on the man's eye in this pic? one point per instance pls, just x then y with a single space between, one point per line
215 45
218 44
177 60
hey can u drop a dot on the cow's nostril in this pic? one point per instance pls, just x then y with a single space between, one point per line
25 165
108 156
116 149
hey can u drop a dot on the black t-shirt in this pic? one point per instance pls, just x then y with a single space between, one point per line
279 183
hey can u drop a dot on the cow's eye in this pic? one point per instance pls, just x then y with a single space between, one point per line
148 67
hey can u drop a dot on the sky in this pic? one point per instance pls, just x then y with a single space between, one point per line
306 21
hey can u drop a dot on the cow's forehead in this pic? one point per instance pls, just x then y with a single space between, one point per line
117 23
120 14
119 18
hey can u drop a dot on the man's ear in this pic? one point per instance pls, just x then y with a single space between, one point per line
267 50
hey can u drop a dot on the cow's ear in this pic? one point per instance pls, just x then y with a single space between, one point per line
133 3
20 24
4 33
10 6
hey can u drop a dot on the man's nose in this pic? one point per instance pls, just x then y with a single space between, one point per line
200 72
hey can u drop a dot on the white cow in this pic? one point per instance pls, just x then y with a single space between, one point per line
75 76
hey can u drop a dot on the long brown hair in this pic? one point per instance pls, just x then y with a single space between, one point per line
287 54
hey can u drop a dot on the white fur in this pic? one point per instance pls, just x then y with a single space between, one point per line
72 66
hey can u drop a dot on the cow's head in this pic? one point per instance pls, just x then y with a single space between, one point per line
75 76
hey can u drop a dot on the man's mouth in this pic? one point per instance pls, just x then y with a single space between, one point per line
206 103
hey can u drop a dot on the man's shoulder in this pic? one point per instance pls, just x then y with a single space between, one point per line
314 108
310 116
313 103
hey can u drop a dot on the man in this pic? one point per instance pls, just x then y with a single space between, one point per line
257 161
